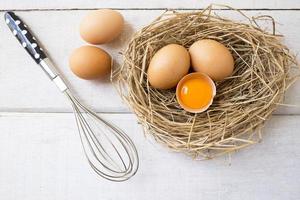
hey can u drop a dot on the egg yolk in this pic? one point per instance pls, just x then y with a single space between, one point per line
196 93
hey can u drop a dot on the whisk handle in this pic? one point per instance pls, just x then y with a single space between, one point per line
31 45
24 36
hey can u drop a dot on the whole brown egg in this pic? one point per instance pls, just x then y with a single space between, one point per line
101 26
168 66
212 58
89 62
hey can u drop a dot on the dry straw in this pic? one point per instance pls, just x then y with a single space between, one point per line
243 102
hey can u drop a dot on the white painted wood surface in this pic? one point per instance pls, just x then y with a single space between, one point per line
41 158
40 153
58 31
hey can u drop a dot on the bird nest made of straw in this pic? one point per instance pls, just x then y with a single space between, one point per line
243 101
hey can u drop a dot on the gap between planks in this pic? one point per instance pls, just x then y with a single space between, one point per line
62 112
13 113
117 8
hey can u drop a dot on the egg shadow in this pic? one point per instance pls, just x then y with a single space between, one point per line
123 38
107 78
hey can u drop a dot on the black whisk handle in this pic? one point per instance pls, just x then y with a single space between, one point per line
25 37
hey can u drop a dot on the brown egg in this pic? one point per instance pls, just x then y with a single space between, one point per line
89 62
212 58
101 26
168 66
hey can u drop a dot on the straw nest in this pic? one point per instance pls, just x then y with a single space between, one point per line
243 102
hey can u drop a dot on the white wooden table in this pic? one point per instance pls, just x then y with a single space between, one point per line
40 153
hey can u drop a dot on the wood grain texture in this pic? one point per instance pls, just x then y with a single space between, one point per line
153 4
25 88
41 158
40 153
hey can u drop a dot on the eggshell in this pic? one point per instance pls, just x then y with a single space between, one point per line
168 66
101 26
197 90
212 58
89 62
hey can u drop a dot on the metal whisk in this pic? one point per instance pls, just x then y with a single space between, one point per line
110 152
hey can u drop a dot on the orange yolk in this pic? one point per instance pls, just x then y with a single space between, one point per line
196 93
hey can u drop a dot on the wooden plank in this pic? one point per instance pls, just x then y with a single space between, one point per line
24 87
88 4
41 158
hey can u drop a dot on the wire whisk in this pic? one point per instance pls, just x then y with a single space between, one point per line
122 161
109 151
